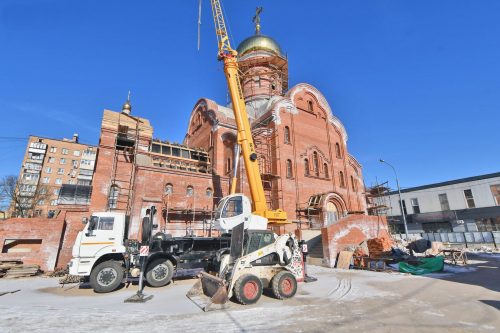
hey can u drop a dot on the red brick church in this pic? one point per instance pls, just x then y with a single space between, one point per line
302 146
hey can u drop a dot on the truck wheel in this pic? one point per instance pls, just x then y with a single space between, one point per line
284 285
106 276
248 289
159 272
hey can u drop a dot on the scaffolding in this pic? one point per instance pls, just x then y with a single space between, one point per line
124 163
377 199
266 141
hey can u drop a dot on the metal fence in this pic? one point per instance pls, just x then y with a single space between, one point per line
466 238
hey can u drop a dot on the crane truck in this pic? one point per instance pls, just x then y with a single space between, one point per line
258 258
105 256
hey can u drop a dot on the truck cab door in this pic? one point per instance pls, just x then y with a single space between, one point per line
103 231
232 213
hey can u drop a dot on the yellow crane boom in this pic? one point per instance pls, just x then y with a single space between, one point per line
244 137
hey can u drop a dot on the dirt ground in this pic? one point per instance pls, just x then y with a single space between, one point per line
461 299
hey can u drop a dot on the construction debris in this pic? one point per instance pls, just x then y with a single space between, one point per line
379 247
344 260
59 272
15 269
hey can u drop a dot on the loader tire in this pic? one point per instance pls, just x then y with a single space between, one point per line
248 289
159 272
284 285
107 276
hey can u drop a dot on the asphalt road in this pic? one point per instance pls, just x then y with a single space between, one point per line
341 300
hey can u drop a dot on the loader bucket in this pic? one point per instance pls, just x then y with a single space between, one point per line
209 292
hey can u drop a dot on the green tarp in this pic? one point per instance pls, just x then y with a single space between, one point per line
428 265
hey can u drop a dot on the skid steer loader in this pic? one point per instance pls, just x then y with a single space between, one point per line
257 259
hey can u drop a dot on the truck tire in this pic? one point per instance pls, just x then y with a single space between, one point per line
284 285
248 289
159 272
106 276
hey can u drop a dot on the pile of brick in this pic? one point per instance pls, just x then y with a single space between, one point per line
379 247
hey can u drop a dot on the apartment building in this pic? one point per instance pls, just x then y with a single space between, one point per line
460 205
48 166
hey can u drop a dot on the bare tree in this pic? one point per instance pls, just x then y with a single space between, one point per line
23 197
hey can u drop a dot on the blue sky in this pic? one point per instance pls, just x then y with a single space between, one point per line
414 82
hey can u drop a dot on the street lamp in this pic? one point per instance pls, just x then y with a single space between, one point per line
400 200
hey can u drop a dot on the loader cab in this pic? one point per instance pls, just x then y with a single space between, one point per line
257 239
235 209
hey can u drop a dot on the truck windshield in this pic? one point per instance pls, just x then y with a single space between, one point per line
233 207
102 223
219 208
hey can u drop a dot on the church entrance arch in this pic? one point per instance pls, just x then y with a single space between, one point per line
333 208
332 213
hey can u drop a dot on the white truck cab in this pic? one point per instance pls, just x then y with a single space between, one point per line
234 208
103 233
101 242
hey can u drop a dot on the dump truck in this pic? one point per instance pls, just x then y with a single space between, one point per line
105 256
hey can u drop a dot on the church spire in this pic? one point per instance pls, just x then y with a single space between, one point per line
127 107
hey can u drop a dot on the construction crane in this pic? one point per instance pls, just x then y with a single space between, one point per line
228 56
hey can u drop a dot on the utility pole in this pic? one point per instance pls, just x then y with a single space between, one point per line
400 199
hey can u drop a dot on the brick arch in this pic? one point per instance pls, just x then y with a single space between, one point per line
337 200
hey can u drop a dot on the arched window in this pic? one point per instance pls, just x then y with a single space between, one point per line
342 181
289 171
306 167
169 189
310 106
114 191
325 166
353 184
315 164
189 191
287 135
209 192
337 150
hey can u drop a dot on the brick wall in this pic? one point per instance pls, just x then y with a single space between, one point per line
351 231
49 231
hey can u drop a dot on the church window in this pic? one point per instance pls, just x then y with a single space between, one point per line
209 192
289 171
342 181
287 135
228 164
325 166
316 164
113 196
337 150
306 167
310 106
169 189
189 191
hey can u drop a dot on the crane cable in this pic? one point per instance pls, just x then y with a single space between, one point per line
199 23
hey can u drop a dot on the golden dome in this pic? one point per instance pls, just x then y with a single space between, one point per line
258 43
127 106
